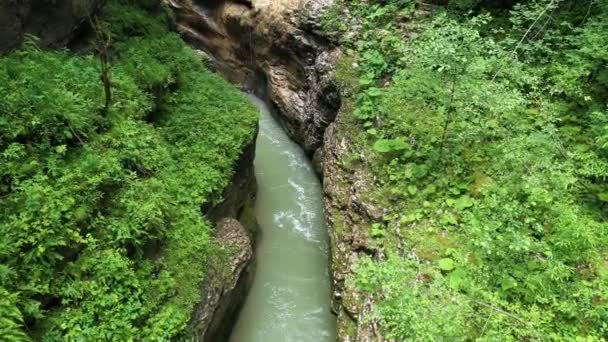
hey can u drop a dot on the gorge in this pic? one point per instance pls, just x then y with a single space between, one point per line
278 49
290 294
303 170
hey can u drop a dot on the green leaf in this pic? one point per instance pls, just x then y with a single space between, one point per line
361 113
412 189
390 145
61 149
446 264
457 278
448 219
464 202
377 230
374 92
603 196
508 283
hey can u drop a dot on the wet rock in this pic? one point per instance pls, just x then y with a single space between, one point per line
317 162
54 22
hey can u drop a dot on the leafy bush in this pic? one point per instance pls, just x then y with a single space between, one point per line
495 224
87 197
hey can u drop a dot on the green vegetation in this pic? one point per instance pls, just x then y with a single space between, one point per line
488 131
102 235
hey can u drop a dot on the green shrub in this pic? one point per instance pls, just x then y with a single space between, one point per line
86 194
491 166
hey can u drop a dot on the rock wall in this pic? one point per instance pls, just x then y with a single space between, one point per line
228 278
349 213
274 47
53 21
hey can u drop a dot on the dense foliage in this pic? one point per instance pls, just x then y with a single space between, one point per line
488 131
101 231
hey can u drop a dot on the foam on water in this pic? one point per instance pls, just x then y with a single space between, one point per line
290 296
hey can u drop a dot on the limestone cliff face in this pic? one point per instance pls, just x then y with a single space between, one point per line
276 44
228 278
54 22
349 212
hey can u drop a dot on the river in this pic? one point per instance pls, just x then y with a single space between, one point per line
290 295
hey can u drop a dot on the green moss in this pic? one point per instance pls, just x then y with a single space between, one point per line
347 74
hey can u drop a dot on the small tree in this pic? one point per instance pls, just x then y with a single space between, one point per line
102 43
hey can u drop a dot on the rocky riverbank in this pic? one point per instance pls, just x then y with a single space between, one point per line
229 278
349 212
279 45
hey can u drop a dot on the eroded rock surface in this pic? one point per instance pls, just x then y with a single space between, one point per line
275 44
225 285
349 213
54 22
229 275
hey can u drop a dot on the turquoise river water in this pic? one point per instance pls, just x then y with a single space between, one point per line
290 294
